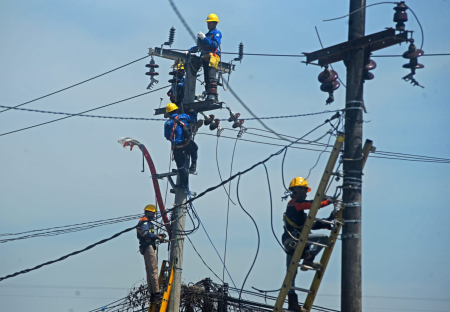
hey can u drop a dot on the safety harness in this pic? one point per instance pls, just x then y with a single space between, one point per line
187 137
144 242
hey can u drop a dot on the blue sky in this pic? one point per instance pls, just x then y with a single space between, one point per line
74 171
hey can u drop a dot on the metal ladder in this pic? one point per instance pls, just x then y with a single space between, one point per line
303 239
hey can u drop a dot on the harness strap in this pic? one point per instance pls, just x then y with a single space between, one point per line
292 223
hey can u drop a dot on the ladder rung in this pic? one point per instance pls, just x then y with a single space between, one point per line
317 244
302 289
324 221
307 267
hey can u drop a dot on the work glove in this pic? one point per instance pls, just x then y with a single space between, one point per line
330 198
332 216
201 35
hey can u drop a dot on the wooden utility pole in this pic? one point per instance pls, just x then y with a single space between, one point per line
351 237
179 214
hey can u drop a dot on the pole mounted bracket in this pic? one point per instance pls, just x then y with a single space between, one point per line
373 42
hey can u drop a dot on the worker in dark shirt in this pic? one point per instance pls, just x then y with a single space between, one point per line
176 130
210 53
294 219
147 245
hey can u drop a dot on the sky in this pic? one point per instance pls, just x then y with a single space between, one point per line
74 170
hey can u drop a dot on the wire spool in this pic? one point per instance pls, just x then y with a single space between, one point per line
214 124
400 15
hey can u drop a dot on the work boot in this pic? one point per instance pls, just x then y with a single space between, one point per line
308 263
193 168
155 297
293 303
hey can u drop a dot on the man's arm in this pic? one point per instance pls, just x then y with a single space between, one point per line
213 42
306 204
145 230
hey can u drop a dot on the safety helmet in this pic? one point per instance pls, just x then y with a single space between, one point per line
299 181
151 208
212 18
179 66
171 107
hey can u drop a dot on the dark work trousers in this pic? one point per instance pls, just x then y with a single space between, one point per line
180 154
209 72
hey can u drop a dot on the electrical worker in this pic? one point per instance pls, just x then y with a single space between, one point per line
176 130
209 45
147 246
177 95
294 219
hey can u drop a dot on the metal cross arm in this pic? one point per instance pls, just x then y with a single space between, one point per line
373 42
174 55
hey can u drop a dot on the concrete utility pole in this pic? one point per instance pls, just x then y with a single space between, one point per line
351 237
177 245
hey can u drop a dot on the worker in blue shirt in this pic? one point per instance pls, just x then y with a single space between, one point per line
176 130
145 231
176 92
210 50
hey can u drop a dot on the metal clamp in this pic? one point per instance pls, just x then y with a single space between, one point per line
352 205
351 236
352 221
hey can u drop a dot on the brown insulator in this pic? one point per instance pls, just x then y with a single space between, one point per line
400 15
368 75
370 65
214 124
152 73
238 123
208 119
234 117
330 87
327 76
212 90
172 73
172 80
151 65
412 52
412 65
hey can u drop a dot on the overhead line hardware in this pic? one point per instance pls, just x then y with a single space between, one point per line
374 42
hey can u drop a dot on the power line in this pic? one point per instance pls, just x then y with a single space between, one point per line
77 84
68 255
90 110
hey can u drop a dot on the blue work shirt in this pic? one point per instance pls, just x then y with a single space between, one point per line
178 136
180 89
211 43
147 230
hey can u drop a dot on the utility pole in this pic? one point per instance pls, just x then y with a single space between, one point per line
179 214
351 292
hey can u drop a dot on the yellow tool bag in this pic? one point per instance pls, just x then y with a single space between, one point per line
214 60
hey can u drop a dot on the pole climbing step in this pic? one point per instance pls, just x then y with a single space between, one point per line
331 240
302 240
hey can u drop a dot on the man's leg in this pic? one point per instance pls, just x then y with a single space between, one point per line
180 160
317 238
192 149
206 74
151 266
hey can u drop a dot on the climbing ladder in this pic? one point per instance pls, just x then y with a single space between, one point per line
303 239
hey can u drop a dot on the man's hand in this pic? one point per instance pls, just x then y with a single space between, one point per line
186 52
330 198
201 35
332 216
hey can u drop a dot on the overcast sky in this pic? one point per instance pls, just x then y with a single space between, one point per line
74 170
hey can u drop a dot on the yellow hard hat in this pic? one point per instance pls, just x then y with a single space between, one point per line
151 208
171 107
212 18
299 181
179 66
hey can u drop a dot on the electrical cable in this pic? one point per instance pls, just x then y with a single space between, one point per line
249 169
77 84
218 170
90 110
364 7
68 255
228 209
257 232
420 25
271 209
